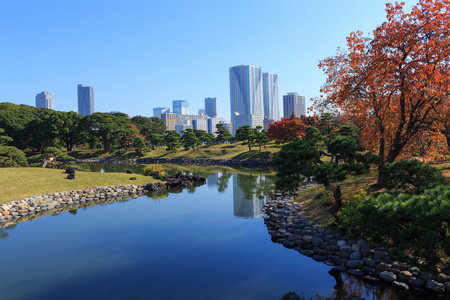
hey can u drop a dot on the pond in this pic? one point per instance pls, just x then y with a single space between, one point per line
208 242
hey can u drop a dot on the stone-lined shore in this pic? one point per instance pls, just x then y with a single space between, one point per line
42 205
256 163
288 226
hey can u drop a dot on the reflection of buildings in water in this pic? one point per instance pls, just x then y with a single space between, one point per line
247 203
213 180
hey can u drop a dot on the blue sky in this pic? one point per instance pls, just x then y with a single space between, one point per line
143 54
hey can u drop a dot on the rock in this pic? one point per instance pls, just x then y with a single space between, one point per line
415 271
289 244
340 268
447 287
426 276
399 265
356 247
370 271
341 243
354 264
400 285
133 178
356 255
380 255
442 278
367 252
435 286
355 272
318 258
387 276
307 238
308 253
416 282
404 275
332 248
370 262
383 266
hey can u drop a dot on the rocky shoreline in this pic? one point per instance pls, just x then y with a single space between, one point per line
42 205
255 163
288 226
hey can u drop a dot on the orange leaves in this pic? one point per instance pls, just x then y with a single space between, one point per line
286 130
396 84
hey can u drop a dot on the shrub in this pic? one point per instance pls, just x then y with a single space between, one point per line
411 176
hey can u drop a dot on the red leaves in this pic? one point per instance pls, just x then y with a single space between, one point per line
286 130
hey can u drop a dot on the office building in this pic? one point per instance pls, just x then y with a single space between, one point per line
211 107
246 96
267 123
158 111
186 125
85 100
271 96
170 119
201 111
200 124
294 103
212 123
44 100
180 107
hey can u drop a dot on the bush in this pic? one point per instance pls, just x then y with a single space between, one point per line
418 224
411 176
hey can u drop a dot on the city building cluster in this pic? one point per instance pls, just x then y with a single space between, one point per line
254 101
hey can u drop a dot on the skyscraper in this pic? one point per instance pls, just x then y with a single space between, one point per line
180 107
295 103
44 100
246 98
211 107
85 100
270 96
158 111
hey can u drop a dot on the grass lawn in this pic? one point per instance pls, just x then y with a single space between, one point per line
18 183
224 151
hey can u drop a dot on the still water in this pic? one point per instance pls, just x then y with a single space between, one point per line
208 242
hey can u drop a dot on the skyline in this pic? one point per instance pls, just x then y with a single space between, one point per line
139 55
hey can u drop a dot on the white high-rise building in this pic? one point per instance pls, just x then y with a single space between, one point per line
158 111
294 103
180 107
246 96
85 100
44 100
271 96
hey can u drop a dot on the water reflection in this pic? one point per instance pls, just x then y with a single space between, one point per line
249 194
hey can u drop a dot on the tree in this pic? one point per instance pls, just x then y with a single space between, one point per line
156 139
189 139
303 159
247 135
172 140
203 136
4 139
104 126
286 130
222 134
139 145
396 84
148 126
261 137
11 156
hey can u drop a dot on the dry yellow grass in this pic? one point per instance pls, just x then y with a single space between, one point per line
18 183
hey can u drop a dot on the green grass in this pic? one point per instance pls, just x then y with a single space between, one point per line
224 151
19 183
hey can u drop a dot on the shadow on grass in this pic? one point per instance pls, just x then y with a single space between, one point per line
254 154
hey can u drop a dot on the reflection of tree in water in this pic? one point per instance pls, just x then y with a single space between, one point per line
252 184
222 182
4 231
157 196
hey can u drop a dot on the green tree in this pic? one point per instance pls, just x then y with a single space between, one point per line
4 140
148 126
104 126
172 140
14 120
139 145
11 156
222 134
189 139
203 136
247 135
156 140
261 137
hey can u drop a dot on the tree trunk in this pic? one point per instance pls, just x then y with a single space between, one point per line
337 195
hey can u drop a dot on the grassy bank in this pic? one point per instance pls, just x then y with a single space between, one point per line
223 151
18 183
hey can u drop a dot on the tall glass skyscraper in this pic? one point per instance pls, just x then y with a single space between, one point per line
246 96
85 100
211 107
294 103
44 100
180 107
271 96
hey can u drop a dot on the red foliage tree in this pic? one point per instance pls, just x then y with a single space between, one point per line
286 130
396 84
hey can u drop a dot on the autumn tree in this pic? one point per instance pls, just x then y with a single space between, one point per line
395 84
286 130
